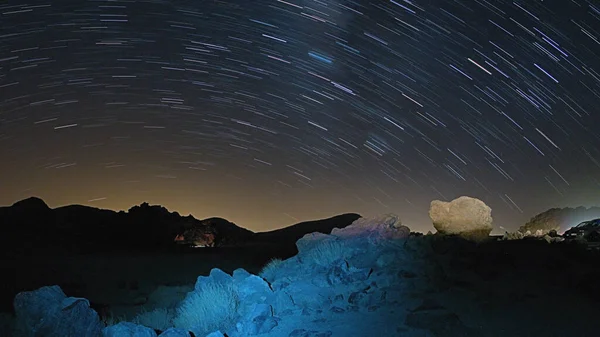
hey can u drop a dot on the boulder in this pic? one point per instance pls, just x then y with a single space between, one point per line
306 295
283 304
247 285
467 217
216 276
258 320
48 312
343 274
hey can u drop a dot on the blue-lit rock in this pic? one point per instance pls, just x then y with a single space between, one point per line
48 312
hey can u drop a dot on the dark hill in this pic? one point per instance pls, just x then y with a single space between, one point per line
31 227
31 204
292 233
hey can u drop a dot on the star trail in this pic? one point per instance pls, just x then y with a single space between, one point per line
266 112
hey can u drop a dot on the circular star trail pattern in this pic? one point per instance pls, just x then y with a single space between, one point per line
268 112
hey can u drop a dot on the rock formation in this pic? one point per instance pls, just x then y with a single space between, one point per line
197 237
559 219
49 312
468 217
300 292
513 235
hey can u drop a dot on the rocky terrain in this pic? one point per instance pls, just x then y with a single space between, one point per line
345 276
372 278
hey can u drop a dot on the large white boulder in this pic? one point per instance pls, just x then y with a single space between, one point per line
468 217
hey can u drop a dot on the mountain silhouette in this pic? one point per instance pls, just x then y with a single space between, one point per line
30 227
293 233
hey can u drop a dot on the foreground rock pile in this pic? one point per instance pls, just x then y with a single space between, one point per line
335 279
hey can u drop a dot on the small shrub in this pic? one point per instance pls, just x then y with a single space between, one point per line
268 271
158 319
327 252
212 308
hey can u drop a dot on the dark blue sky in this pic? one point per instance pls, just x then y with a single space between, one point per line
269 112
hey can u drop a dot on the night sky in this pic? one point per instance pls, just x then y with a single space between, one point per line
271 112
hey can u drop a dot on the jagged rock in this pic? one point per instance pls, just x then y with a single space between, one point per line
255 297
127 329
307 295
467 217
282 304
258 320
513 235
175 332
216 276
343 274
551 239
536 234
48 312
550 236
376 229
248 285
